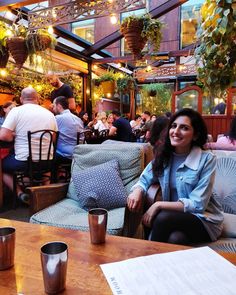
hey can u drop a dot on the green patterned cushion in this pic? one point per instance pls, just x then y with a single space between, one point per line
68 214
130 158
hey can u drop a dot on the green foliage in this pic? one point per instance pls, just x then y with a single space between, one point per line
151 28
25 78
216 55
125 83
108 76
3 36
159 103
39 40
19 30
75 83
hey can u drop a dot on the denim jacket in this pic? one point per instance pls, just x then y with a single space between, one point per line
194 182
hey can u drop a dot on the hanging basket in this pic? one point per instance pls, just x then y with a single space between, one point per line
152 93
132 34
4 55
38 42
18 49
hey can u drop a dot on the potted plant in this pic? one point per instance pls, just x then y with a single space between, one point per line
107 82
151 89
125 84
138 30
216 55
160 102
17 45
4 55
39 40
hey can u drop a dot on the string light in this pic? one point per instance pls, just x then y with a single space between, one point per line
9 33
119 65
3 72
87 91
95 67
50 30
149 68
108 95
113 19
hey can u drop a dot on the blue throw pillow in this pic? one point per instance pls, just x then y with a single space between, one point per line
100 186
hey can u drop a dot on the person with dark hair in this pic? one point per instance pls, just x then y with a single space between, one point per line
189 213
136 123
158 130
5 109
121 129
68 126
227 141
168 114
61 89
220 108
83 115
146 128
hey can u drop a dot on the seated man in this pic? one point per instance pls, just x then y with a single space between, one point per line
28 117
121 129
68 126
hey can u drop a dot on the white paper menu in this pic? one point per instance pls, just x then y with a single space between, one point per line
198 271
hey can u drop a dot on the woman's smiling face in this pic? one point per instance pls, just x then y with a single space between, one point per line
181 134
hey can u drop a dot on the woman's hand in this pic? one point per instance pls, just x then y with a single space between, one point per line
151 213
134 200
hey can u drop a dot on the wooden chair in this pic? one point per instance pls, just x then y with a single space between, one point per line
42 169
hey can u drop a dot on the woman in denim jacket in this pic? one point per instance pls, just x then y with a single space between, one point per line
188 213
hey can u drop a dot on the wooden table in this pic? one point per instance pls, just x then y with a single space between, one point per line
84 275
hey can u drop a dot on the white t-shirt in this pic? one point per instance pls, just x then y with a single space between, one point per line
100 126
29 117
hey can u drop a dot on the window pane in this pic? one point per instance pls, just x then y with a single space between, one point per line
190 16
84 29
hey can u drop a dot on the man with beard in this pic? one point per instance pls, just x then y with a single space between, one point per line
62 89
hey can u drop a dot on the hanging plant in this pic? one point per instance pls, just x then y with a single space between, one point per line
138 30
125 84
17 45
216 55
38 41
4 33
158 103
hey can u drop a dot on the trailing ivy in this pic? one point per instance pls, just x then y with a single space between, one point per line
216 55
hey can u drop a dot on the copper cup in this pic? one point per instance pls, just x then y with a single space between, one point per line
7 247
97 225
54 258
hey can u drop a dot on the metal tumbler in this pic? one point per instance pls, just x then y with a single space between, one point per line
54 258
97 225
7 247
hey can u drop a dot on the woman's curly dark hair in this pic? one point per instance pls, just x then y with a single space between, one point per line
232 130
164 151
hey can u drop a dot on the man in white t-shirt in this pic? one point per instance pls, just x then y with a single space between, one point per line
28 117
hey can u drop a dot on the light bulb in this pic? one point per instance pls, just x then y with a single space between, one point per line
50 30
119 65
113 19
3 72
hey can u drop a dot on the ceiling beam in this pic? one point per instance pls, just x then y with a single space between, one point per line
4 4
155 13
68 35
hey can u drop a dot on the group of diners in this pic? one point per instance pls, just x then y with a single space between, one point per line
182 165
